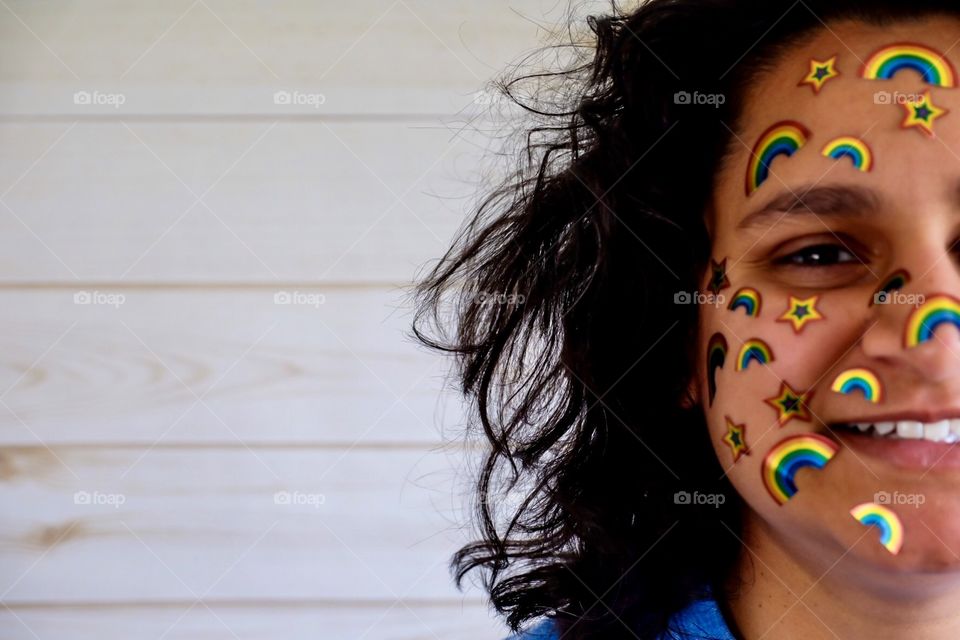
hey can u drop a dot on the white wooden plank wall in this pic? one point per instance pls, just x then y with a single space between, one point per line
211 424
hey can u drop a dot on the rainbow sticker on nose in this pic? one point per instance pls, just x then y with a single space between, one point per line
755 350
782 139
716 356
849 147
876 515
784 460
859 379
887 62
924 320
747 299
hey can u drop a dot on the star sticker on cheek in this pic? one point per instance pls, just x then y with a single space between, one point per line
789 404
820 73
922 114
801 311
735 439
718 277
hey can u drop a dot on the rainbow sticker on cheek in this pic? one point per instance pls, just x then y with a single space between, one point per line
859 379
849 147
819 73
924 320
755 350
922 114
801 311
782 139
896 281
887 62
735 438
716 356
789 404
782 463
747 299
876 515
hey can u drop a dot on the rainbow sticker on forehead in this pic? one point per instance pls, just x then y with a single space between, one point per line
933 67
784 460
876 515
755 350
819 73
894 282
924 320
747 299
716 356
859 379
849 147
922 114
782 139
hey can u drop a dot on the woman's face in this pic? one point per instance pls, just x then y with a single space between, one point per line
821 235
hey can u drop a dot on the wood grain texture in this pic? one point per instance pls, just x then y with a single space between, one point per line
134 525
174 366
230 203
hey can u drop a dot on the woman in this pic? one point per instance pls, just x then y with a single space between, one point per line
710 330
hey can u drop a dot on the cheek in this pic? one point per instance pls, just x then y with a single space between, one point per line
759 360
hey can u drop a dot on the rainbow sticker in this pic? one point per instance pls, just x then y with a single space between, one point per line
789 404
894 282
876 515
716 356
735 438
924 320
859 379
819 73
755 350
800 311
922 114
784 460
747 299
850 147
933 67
782 139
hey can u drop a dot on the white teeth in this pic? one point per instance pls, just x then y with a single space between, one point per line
910 429
947 431
883 428
937 431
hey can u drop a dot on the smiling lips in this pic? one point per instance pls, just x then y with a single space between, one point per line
945 431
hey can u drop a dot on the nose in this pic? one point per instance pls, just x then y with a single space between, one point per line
917 327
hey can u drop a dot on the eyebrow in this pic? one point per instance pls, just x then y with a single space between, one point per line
826 200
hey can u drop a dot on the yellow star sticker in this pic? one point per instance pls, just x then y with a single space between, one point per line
922 113
790 404
819 73
801 311
736 439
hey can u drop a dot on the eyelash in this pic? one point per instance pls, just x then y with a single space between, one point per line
795 259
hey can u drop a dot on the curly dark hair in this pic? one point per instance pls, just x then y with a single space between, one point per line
556 300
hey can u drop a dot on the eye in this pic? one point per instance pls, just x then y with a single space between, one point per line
819 255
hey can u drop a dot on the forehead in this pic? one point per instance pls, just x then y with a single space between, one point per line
906 161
